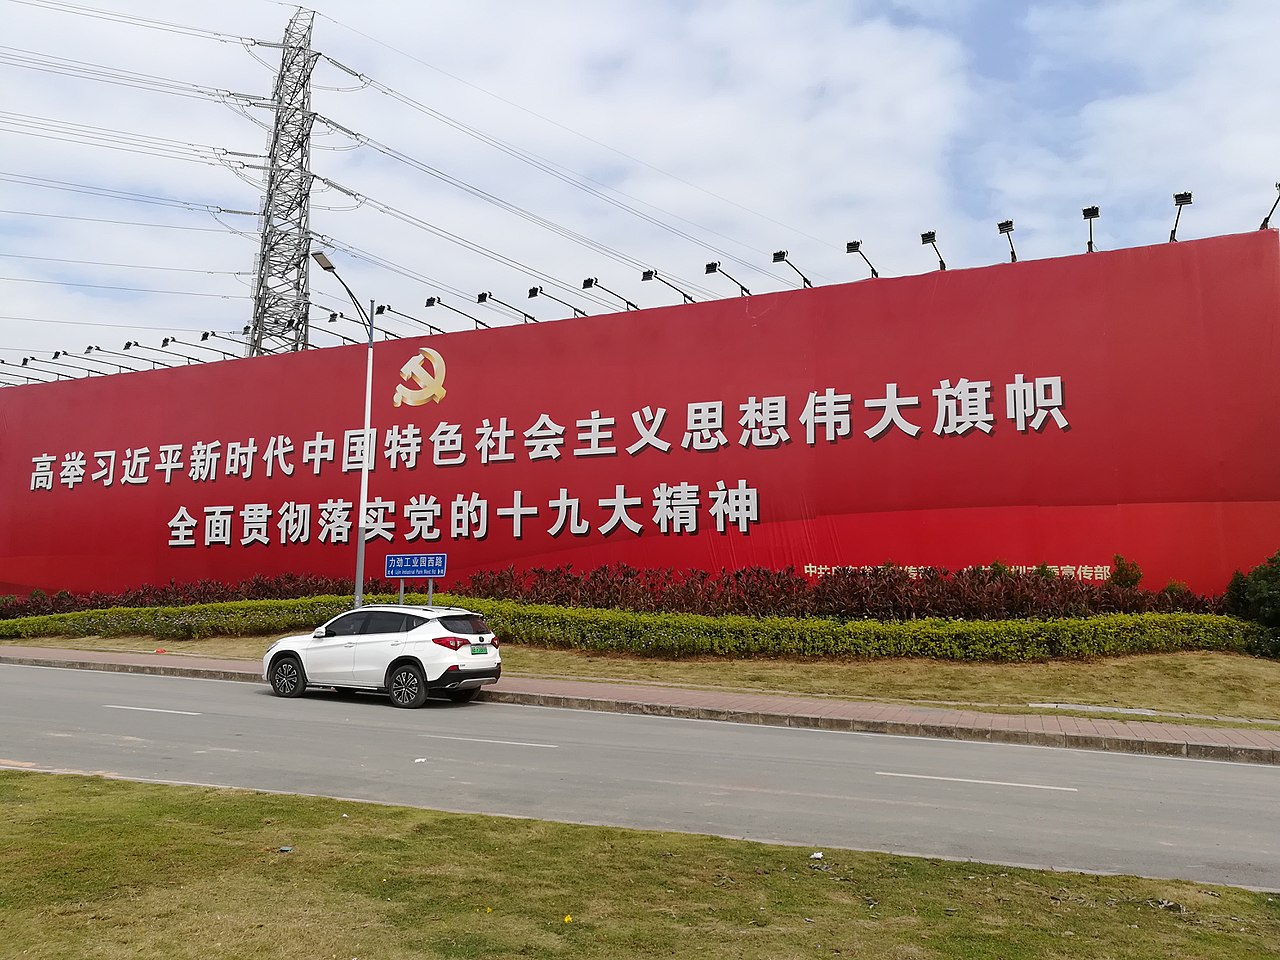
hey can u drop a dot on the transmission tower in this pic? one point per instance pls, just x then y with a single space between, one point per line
281 298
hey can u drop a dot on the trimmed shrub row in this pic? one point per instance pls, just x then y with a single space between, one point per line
880 593
242 618
288 586
676 636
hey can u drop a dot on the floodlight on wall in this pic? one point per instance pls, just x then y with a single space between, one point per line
539 292
1006 228
17 373
780 256
201 346
1090 214
29 363
22 374
87 355
486 297
382 308
930 239
592 283
855 246
437 302
653 275
204 338
714 267
131 344
164 345
112 353
72 366
1266 221
1180 200
334 318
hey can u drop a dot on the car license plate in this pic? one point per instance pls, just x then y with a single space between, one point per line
479 648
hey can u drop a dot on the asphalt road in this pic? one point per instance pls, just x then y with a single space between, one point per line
1044 807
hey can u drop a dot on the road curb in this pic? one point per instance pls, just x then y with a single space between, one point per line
809 721
1161 748
152 669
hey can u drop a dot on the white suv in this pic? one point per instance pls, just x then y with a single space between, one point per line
407 652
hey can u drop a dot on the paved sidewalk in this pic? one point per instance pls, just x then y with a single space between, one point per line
1122 736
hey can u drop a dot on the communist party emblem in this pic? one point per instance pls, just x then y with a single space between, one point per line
430 385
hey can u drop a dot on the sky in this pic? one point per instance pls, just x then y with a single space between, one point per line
502 144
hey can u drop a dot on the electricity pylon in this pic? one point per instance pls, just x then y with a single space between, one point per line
281 297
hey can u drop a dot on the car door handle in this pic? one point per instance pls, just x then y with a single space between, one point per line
396 643
350 643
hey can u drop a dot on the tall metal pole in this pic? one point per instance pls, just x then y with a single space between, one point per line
369 446
361 527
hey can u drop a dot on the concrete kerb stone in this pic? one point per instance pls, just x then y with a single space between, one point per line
984 733
139 668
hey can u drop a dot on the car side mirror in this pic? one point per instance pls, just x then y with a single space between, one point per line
320 633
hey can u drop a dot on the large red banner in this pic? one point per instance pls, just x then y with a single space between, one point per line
1057 412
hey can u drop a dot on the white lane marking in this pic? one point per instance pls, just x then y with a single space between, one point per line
990 783
512 743
185 713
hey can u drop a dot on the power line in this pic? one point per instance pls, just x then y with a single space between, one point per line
83 69
125 18
94 323
590 139
103 286
463 242
126 223
389 265
120 194
121 140
127 266
527 215
554 170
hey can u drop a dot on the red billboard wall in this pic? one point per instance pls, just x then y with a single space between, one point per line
1057 411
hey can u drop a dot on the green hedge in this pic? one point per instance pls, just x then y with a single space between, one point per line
673 636
240 618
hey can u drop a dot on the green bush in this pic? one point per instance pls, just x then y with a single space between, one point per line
1125 573
1256 595
240 618
674 636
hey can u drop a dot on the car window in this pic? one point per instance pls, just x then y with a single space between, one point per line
413 623
466 624
383 621
349 625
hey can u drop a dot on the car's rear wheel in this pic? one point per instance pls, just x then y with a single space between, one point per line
463 696
407 686
287 678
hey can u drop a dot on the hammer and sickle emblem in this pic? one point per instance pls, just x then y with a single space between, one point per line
431 384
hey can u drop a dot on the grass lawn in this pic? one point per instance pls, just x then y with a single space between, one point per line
108 869
1210 684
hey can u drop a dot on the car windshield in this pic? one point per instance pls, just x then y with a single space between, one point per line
468 623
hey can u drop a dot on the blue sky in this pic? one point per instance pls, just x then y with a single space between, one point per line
740 127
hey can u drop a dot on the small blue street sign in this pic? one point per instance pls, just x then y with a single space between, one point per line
419 565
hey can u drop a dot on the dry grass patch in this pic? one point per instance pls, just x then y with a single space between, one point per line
1202 683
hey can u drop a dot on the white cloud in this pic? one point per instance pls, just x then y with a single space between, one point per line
839 120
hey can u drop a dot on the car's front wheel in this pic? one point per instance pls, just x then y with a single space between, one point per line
287 679
407 686
463 696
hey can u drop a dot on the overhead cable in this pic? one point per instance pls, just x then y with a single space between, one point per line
590 139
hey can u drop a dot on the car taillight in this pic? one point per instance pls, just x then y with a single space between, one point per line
453 643
494 641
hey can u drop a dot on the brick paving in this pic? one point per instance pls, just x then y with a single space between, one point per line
1241 745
